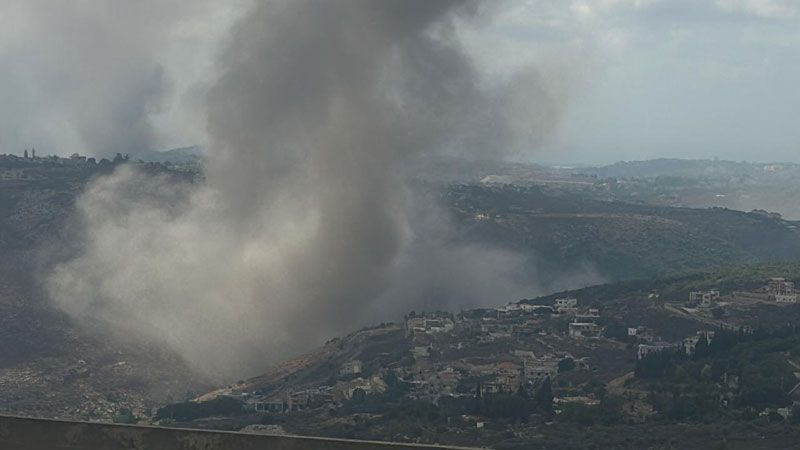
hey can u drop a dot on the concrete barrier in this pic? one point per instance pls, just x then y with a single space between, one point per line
20 433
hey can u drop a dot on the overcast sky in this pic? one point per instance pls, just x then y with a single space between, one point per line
646 78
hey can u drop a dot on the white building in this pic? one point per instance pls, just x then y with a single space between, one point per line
646 349
568 302
429 325
585 330
781 291
421 352
540 368
350 368
704 299
589 315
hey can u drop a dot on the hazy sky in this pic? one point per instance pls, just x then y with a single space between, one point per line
671 78
646 78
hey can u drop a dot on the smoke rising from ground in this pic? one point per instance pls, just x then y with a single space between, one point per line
304 226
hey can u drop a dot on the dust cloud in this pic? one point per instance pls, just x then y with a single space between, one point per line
304 226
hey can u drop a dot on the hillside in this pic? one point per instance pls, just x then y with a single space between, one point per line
743 186
51 366
689 168
562 230
520 375
88 375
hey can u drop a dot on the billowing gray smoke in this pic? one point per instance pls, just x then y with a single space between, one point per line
304 227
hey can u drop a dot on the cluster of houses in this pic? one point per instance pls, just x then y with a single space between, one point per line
428 377
777 290
429 324
781 291
444 357
585 324
687 345
429 383
704 299
29 166
74 159
428 374
350 382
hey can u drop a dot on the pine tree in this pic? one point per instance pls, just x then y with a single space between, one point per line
701 348
544 396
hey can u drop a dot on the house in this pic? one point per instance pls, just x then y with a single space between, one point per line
423 390
77 158
565 305
510 307
273 406
781 291
415 325
298 401
441 325
498 335
589 315
491 388
568 302
642 334
345 390
704 299
350 368
442 383
646 349
508 375
585 330
536 369
449 376
507 369
421 351
429 325
524 354
690 343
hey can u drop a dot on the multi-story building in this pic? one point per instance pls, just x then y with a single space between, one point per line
704 299
585 330
781 290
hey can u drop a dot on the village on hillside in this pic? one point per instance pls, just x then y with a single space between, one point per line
559 355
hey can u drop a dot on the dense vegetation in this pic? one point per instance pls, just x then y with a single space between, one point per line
617 240
677 286
736 375
186 411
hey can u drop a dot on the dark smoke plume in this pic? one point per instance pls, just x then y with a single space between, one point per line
304 227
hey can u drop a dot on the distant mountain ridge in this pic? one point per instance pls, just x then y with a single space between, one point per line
691 168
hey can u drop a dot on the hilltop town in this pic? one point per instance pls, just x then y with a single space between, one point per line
519 370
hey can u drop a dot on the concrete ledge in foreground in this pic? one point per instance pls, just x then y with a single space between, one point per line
20 433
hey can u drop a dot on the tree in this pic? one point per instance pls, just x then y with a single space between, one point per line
655 364
707 373
477 402
522 391
544 396
701 348
565 365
